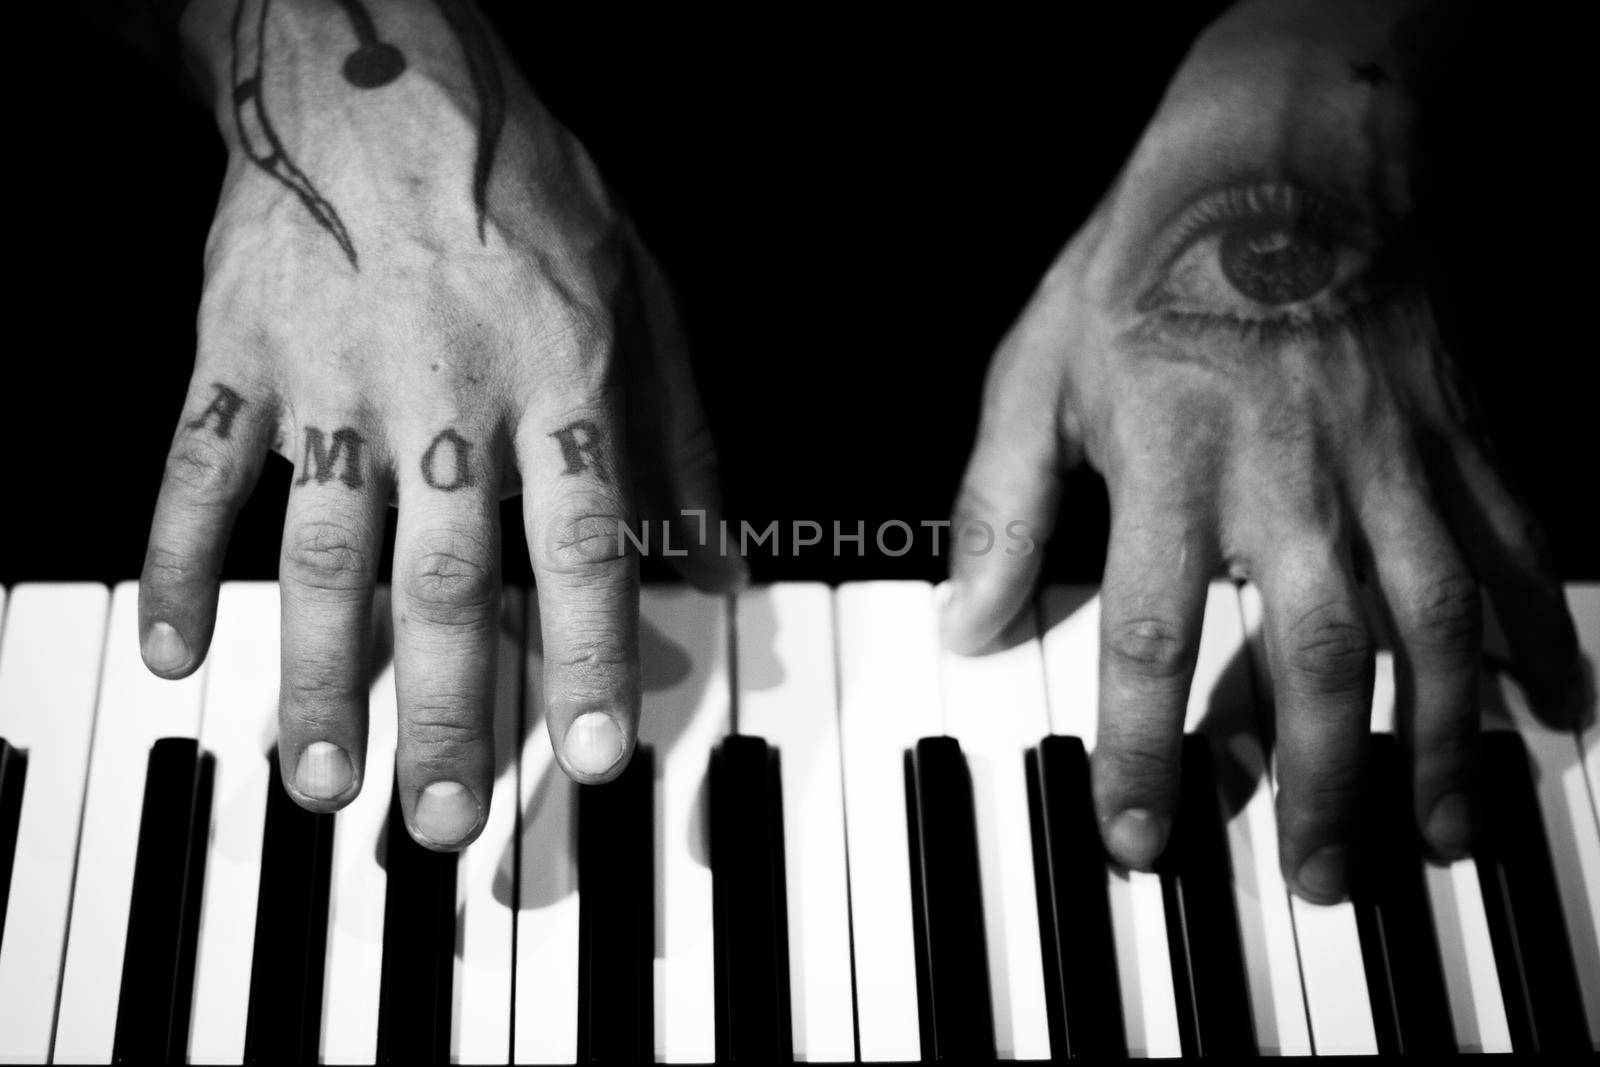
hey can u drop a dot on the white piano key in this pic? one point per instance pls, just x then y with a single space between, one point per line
1333 976
479 1031
995 707
356 892
787 695
135 709
687 710
1222 700
1071 624
546 1011
1565 802
1266 919
54 639
238 728
889 693
1471 980
1070 627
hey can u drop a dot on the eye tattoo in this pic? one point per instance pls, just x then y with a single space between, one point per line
1269 259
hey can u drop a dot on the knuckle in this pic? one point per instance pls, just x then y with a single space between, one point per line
166 569
1330 644
327 557
1447 614
317 702
1154 646
588 542
201 470
441 732
454 580
1447 748
597 666
1326 798
1144 767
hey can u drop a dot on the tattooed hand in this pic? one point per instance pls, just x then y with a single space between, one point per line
1240 341
417 290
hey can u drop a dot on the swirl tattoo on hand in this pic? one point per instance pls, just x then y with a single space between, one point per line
373 64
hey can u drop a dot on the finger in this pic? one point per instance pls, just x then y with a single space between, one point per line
1158 566
1507 550
332 536
1005 510
575 505
215 459
1320 655
1432 602
446 624
683 481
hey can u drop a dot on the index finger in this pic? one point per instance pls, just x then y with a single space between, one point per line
1158 568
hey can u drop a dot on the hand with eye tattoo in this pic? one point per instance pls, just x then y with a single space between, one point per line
1241 342
419 292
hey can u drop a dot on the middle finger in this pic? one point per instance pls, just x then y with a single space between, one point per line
333 532
446 612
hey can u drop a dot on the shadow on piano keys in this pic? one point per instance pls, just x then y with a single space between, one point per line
836 843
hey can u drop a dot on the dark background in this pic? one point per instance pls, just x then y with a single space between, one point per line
853 209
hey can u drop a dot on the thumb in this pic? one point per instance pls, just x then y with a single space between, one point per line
1006 508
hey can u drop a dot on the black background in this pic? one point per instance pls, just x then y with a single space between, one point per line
853 210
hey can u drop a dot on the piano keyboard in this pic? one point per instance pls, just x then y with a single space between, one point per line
837 843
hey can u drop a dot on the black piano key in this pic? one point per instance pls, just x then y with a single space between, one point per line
164 910
749 904
1208 977
953 996
419 947
1532 950
1080 955
616 917
1405 978
13 768
284 1022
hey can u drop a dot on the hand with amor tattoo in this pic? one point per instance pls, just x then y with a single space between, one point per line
418 291
1240 341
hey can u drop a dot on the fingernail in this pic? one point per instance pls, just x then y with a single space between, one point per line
1450 826
593 744
165 650
446 813
1136 837
324 772
1322 876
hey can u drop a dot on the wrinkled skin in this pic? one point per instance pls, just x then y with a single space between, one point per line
420 354
1241 340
